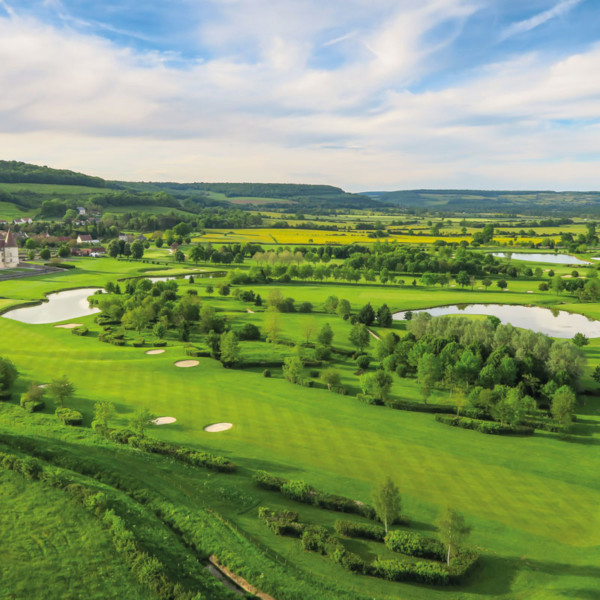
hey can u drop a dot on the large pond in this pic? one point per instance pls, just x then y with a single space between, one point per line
60 306
557 323
554 259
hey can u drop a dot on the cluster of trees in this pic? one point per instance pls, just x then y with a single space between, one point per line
503 370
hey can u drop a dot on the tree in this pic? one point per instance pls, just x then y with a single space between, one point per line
463 279
103 411
331 304
366 314
62 389
563 405
272 326
384 316
452 532
429 372
325 336
230 349
179 256
580 340
64 251
196 254
343 309
8 376
387 502
501 283
45 253
140 420
136 318
596 374
114 248
486 282
377 384
309 326
331 377
292 369
360 336
137 249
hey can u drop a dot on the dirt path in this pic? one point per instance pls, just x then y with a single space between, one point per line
239 581
373 334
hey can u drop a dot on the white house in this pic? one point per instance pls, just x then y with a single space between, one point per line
9 251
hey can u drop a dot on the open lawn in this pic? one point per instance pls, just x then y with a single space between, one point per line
532 501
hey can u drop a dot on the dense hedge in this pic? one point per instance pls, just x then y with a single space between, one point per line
413 544
69 416
368 399
302 492
196 458
360 530
489 427
283 522
425 408
31 405
81 330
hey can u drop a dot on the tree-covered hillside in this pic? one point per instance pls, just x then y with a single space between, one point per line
12 171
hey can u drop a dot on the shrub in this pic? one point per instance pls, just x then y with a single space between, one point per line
297 490
69 416
267 373
399 570
313 373
282 522
159 344
368 399
363 362
360 530
249 332
139 343
31 405
315 539
414 544
489 427
267 481
305 307
322 353
79 330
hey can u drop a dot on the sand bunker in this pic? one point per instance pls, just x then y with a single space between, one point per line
157 351
187 363
215 427
69 326
164 420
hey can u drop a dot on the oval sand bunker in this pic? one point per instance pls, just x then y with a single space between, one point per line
158 351
69 326
164 420
187 363
216 427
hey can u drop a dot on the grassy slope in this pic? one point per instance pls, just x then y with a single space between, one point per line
52 548
535 497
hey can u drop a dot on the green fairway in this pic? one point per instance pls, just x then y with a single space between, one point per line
532 501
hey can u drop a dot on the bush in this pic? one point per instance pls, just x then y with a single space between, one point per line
249 332
368 399
297 490
80 330
322 353
315 539
31 405
139 343
282 522
267 481
267 373
360 530
314 374
489 427
414 544
305 307
69 416
399 570
426 408
160 344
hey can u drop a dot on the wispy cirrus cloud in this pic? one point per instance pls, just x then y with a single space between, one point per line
558 10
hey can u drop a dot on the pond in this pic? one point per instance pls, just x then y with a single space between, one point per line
59 307
556 323
554 259
209 275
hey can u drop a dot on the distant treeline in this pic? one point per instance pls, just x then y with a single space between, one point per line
12 171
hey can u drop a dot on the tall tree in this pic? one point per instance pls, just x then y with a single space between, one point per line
140 420
230 349
360 336
325 336
452 532
387 502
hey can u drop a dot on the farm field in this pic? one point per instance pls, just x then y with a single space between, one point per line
535 543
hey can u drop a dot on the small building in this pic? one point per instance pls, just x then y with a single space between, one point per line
84 238
81 210
125 237
141 238
24 221
174 247
9 251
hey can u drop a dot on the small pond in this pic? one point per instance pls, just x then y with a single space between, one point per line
554 259
209 275
60 306
556 323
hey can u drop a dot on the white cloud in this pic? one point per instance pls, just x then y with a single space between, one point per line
558 10
77 101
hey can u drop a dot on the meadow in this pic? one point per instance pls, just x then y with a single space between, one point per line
532 501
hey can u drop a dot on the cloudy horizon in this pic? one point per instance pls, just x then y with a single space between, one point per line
378 95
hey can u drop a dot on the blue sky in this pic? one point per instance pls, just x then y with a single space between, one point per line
365 94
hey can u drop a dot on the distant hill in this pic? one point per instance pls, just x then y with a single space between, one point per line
491 201
12 171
